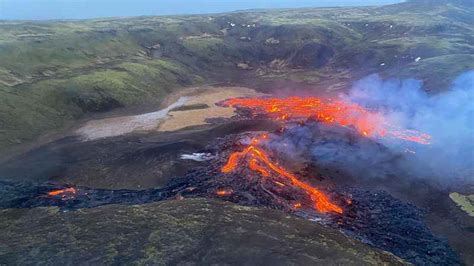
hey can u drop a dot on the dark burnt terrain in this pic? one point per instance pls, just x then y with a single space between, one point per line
191 231
371 213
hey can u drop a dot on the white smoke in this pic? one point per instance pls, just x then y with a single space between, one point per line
448 117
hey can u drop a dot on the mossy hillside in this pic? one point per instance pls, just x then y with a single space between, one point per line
65 52
24 117
63 48
65 69
336 27
434 71
465 202
204 46
27 111
125 85
49 78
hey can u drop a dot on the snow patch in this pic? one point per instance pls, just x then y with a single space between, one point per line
198 157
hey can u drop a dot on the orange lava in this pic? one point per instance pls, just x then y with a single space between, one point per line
224 192
62 191
366 122
297 205
259 162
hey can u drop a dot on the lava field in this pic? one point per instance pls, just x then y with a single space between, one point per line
372 216
281 170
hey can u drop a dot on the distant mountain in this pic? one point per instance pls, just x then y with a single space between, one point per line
468 3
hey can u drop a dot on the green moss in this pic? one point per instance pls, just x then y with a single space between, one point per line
465 202
203 47
54 72
32 109
434 71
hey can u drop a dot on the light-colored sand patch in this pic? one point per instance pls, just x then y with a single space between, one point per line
465 202
186 118
167 120
117 126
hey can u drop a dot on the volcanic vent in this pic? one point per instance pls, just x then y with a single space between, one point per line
247 169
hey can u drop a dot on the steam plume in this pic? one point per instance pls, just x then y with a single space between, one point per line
448 117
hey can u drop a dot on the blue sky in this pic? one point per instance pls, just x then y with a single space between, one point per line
78 9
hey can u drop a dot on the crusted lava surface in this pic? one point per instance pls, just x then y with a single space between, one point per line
372 216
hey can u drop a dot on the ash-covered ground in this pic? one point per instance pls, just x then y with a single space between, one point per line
370 213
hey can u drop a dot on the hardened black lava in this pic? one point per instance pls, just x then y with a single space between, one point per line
374 217
382 221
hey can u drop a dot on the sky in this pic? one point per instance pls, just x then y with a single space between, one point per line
83 9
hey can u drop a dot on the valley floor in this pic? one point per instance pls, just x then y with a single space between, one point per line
147 156
192 108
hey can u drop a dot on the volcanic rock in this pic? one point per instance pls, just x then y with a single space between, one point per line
191 231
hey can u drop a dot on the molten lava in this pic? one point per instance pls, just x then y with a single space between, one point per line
224 192
259 162
61 192
366 122
297 205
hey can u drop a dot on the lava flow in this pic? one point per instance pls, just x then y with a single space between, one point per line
366 122
259 162
62 192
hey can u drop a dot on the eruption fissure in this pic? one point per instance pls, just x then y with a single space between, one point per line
259 161
367 122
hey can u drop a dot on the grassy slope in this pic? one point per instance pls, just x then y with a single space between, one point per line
53 72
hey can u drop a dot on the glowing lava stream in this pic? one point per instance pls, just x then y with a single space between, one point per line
366 122
62 192
257 155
